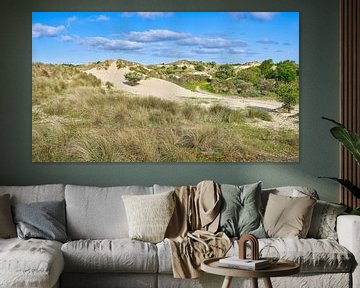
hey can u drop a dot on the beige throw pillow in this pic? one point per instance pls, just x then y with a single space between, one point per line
288 217
7 226
149 215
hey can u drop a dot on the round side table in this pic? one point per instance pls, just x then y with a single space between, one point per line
281 268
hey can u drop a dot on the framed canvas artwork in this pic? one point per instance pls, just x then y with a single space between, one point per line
165 87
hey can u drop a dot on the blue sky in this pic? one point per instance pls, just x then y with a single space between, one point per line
162 37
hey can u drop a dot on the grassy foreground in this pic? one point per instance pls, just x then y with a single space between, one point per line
76 120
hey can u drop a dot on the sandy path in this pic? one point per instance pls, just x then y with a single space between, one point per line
170 91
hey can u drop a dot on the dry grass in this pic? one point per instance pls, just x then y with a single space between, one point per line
74 119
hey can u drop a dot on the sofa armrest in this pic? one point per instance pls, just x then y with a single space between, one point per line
348 230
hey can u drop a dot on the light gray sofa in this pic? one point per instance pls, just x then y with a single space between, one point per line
101 255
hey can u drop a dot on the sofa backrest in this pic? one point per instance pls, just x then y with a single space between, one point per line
162 188
98 212
293 191
35 193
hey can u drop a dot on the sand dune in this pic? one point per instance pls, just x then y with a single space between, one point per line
170 91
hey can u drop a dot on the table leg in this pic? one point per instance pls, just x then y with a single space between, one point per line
227 282
254 282
267 283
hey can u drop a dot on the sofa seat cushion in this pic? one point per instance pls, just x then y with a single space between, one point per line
30 263
313 255
115 255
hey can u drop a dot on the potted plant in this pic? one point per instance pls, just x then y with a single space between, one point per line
351 141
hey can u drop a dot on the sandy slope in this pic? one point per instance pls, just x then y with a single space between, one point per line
170 91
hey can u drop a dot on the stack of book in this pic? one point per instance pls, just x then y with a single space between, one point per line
248 264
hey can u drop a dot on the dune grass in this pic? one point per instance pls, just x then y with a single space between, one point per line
76 120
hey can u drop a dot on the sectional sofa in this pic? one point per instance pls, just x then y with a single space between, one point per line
101 254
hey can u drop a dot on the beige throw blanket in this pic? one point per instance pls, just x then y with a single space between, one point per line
190 232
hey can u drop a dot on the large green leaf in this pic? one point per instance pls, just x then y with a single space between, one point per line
348 138
348 185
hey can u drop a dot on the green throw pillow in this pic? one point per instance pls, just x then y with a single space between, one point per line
240 213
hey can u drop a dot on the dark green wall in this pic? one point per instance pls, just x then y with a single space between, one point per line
319 62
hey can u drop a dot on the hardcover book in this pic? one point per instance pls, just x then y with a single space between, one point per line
236 262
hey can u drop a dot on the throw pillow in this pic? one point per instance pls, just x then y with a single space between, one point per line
149 215
323 222
240 213
43 220
7 227
288 217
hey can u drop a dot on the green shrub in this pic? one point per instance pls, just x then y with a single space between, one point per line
286 71
258 113
109 85
225 71
288 94
133 78
267 68
199 67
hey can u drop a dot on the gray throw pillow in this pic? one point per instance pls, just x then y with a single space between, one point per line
7 227
240 213
323 222
44 220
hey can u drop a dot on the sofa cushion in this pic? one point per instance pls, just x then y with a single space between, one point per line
323 222
287 216
149 215
30 263
313 255
98 213
43 220
7 226
36 193
240 210
117 255
291 191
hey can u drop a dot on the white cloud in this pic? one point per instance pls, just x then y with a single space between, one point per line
153 15
267 41
110 44
259 16
156 35
66 38
210 42
148 15
240 15
99 18
242 52
169 53
208 51
40 30
264 16
70 20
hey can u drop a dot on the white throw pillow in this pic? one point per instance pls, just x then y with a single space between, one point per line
149 215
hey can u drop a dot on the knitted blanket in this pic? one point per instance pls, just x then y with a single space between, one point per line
191 232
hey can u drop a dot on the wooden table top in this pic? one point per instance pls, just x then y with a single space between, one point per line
281 268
